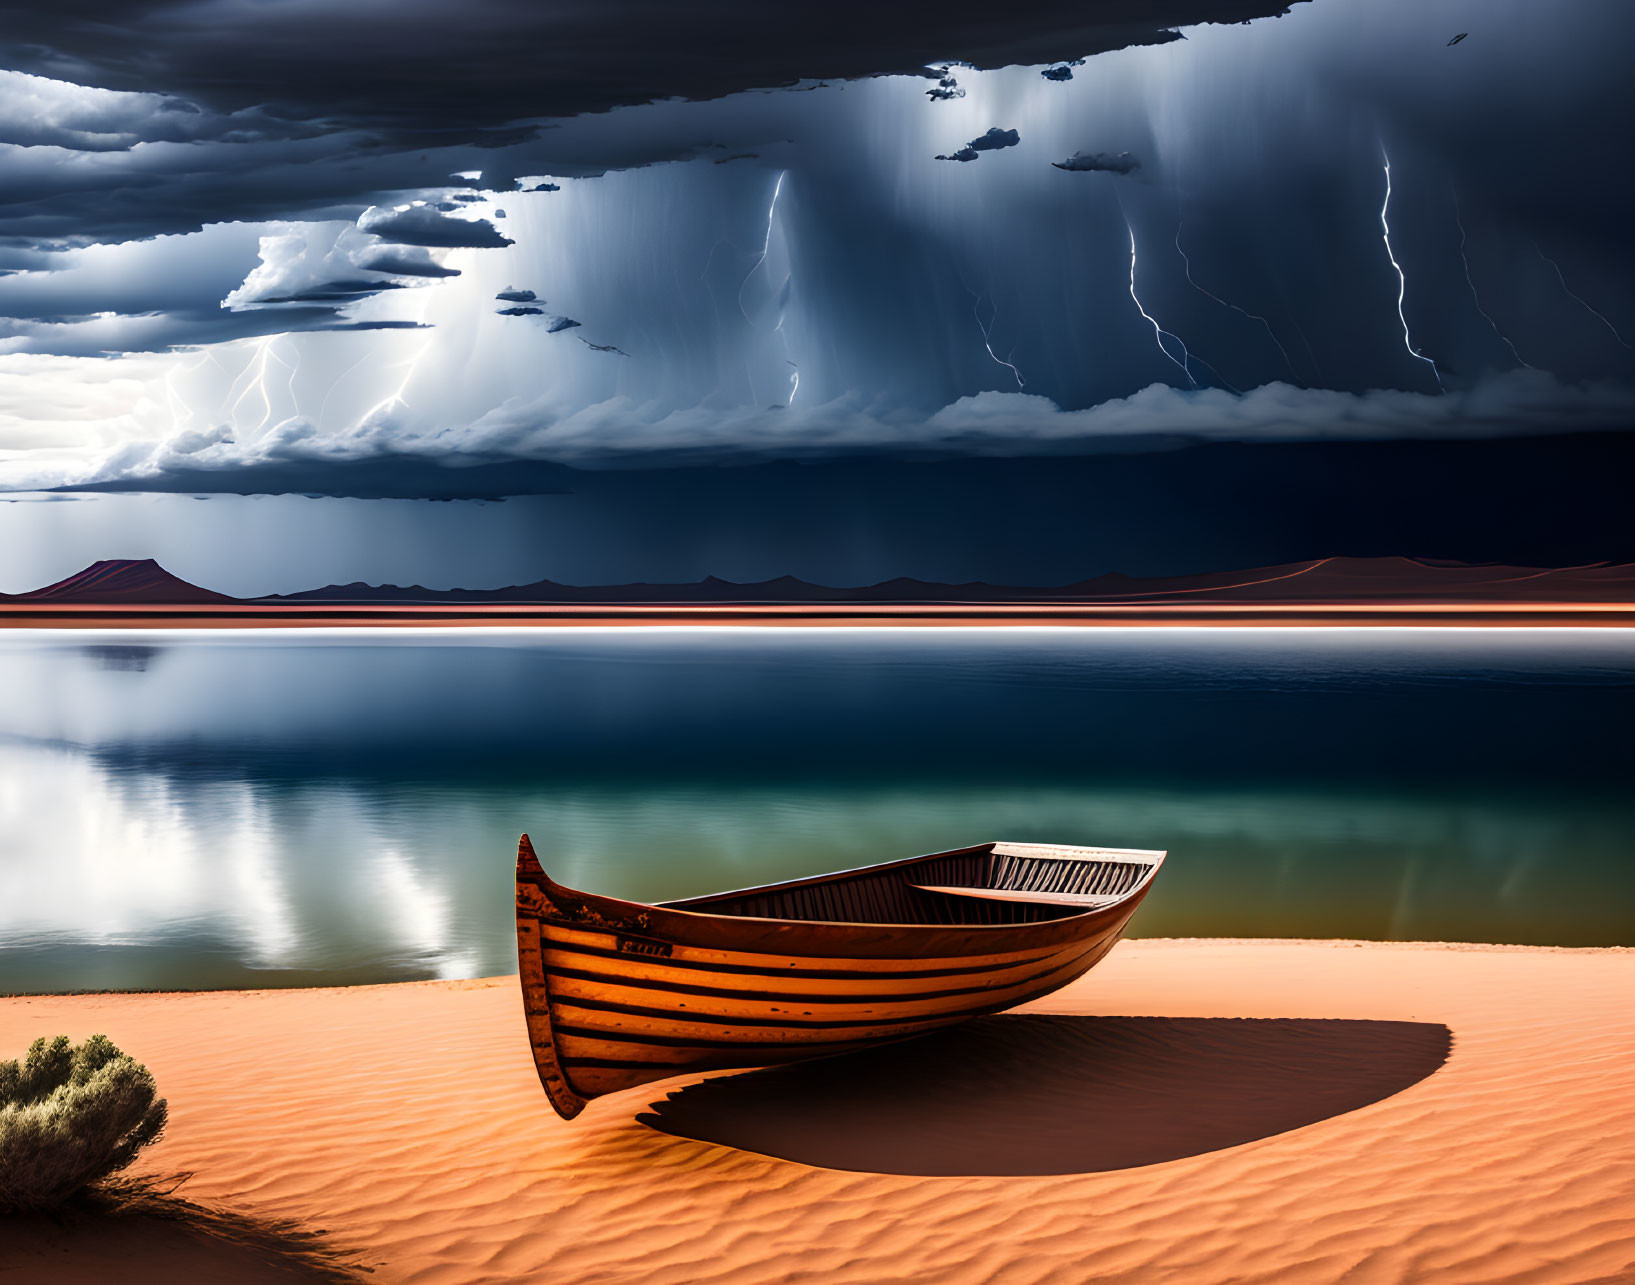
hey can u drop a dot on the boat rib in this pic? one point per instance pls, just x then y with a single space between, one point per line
618 994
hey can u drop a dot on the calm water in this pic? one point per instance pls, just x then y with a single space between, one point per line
276 809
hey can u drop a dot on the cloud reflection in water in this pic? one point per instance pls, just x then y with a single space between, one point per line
245 813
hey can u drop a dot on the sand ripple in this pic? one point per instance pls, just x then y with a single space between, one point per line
1329 1142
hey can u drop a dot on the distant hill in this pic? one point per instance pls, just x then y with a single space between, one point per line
123 580
1322 580
1325 580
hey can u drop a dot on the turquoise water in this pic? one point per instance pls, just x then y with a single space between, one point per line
200 810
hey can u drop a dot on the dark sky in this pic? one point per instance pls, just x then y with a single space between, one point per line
1553 500
696 280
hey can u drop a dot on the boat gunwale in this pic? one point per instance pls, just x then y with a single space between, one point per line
920 931
1058 852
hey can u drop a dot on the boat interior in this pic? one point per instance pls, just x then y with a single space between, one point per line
994 883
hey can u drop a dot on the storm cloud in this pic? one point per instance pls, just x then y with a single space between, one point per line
422 225
404 261
992 141
1110 162
315 253
414 70
620 434
266 112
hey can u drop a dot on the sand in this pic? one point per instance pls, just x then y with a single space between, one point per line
1431 1113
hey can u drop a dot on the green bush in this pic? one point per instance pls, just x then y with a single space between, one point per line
71 1117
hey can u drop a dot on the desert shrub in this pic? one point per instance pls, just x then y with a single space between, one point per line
71 1116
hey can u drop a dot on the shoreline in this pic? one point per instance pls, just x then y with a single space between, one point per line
1431 1087
851 616
1156 943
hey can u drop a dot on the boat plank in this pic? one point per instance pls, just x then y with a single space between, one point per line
747 1008
686 1053
578 978
883 973
984 954
584 1011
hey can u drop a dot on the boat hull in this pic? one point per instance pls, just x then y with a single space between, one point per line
619 994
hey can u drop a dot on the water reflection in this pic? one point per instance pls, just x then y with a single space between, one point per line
254 812
136 657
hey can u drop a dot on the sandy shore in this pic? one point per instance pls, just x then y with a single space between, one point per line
1393 1113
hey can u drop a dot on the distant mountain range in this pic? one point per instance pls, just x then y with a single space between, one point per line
1326 580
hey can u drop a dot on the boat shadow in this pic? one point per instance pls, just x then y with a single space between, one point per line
1040 1094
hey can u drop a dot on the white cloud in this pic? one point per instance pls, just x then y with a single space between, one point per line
38 112
620 432
300 257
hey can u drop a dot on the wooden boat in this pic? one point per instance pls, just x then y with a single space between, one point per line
619 993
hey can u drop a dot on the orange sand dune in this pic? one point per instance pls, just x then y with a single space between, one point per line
1166 1146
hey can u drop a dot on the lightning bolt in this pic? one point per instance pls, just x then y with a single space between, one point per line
396 398
323 406
710 257
766 248
1402 281
261 364
1158 332
181 414
1459 218
1580 302
987 336
256 383
1306 344
1253 316
794 372
766 245
294 369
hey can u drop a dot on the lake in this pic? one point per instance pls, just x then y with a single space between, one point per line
271 808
